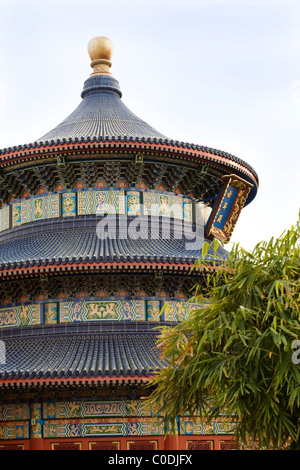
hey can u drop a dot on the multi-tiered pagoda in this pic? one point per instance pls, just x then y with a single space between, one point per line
101 220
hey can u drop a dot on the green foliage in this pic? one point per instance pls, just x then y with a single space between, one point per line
234 354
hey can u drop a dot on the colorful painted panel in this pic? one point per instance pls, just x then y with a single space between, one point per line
51 206
151 203
92 409
94 202
50 313
133 203
176 207
228 206
45 207
153 310
68 204
177 310
18 430
4 218
39 208
16 211
101 202
102 310
36 420
103 427
32 209
197 426
163 204
187 210
202 213
14 412
28 209
22 315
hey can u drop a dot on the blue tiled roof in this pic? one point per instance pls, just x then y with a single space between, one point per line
103 117
75 241
101 113
69 351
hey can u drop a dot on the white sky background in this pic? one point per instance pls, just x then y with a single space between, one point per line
220 73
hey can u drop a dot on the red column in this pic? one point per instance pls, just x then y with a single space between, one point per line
171 442
37 443
36 427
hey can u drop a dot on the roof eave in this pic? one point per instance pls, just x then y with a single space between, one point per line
213 156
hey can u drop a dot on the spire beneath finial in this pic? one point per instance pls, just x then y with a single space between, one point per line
100 50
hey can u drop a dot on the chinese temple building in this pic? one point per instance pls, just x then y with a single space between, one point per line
101 220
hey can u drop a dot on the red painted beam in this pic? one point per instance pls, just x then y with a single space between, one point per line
64 380
108 265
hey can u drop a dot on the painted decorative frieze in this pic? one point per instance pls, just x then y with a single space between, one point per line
177 311
102 310
103 427
81 202
14 411
40 208
30 209
14 430
22 315
94 309
106 426
197 426
92 409
96 418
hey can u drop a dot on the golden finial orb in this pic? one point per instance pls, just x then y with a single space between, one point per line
100 50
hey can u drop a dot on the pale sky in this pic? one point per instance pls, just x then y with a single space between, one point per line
219 73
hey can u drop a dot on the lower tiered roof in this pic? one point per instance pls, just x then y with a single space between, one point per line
94 350
70 241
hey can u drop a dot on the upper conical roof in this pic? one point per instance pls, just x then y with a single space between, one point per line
101 112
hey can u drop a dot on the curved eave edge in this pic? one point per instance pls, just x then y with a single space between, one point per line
17 269
105 379
39 146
